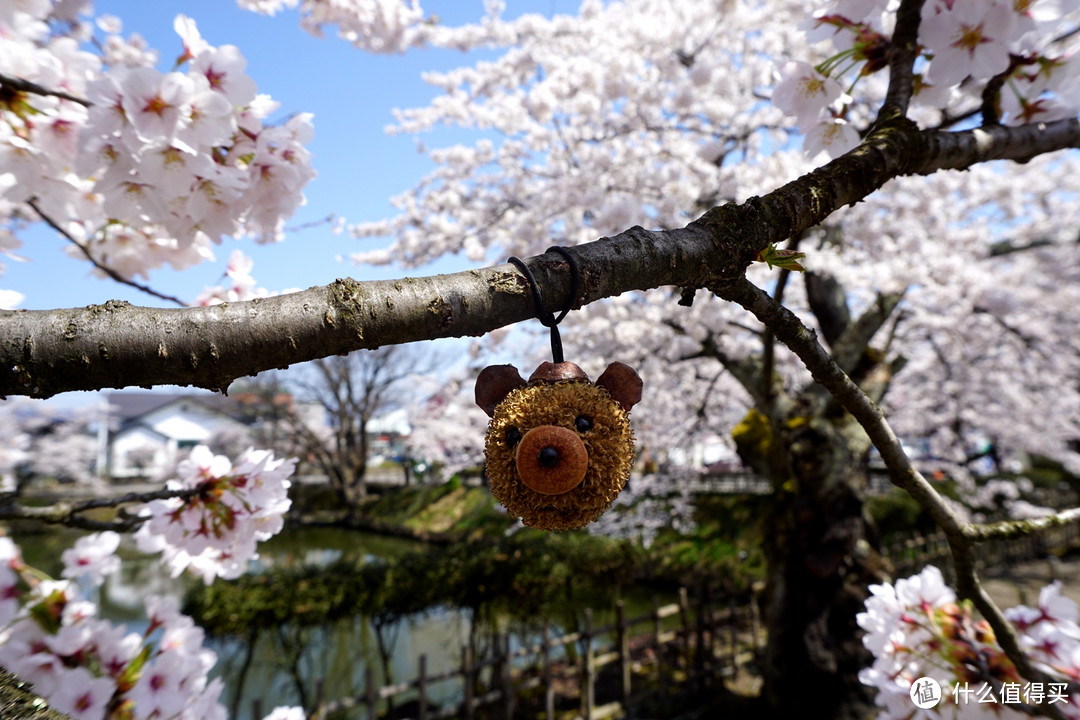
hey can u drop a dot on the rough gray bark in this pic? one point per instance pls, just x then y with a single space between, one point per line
19 702
115 345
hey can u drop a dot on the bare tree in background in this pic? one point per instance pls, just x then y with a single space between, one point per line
353 389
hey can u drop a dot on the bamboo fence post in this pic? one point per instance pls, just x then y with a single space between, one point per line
507 685
622 639
684 614
588 675
549 686
371 694
658 631
421 687
467 682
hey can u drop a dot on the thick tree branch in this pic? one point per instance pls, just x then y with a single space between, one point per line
827 299
803 342
960 150
114 345
902 53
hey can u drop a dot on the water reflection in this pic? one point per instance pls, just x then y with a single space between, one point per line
296 663
292 664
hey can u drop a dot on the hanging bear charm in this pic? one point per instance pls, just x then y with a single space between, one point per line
559 447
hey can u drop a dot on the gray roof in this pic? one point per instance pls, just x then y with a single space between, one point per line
129 406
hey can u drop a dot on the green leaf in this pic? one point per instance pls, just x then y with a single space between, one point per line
786 259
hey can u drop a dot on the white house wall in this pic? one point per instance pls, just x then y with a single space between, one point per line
166 431
187 422
129 444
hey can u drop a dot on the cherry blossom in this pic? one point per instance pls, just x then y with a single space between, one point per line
223 69
647 505
81 695
243 285
93 557
575 139
967 37
539 183
834 137
10 590
91 668
152 102
915 629
285 713
376 25
159 162
214 533
805 93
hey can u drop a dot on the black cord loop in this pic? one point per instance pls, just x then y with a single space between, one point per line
548 319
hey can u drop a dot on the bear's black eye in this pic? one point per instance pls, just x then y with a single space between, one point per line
583 423
513 436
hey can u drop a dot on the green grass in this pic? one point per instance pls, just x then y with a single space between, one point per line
447 509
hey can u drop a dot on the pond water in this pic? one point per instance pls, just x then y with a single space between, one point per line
290 665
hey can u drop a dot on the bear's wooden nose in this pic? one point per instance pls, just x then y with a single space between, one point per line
551 460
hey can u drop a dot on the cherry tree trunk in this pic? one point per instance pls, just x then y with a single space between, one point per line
822 554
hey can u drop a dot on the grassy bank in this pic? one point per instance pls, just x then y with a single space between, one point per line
438 514
723 549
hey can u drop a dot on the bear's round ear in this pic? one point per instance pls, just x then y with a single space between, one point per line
494 383
622 383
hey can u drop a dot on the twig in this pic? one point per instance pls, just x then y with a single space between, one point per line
113 275
311 224
1009 529
20 85
70 514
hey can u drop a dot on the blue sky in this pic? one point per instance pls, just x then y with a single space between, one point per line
350 93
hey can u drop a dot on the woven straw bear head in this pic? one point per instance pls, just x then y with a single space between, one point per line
559 448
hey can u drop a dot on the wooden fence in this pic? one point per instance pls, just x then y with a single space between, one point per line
599 671
603 671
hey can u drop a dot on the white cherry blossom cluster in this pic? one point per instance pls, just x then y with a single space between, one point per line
963 45
915 629
387 26
241 285
648 504
90 668
577 139
451 405
157 166
215 531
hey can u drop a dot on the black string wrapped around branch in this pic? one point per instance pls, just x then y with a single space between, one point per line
548 319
